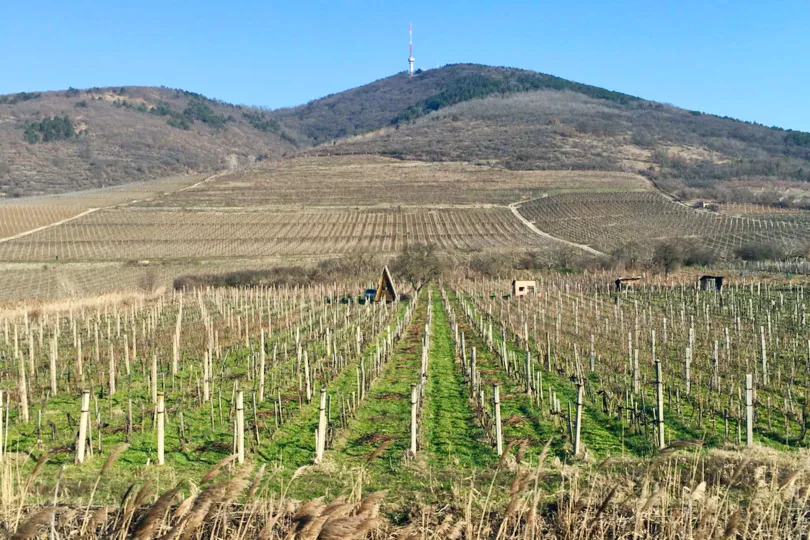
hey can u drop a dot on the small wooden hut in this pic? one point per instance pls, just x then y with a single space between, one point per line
386 292
711 283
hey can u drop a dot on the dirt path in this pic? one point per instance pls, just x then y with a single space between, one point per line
514 208
49 225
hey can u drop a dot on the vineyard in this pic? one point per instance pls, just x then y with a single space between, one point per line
608 220
18 218
212 411
146 234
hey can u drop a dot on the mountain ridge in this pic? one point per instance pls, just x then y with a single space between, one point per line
509 117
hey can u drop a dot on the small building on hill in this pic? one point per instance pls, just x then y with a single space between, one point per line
711 283
523 287
624 283
386 292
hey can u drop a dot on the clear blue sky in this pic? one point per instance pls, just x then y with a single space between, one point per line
745 59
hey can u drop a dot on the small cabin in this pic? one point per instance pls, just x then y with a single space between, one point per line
523 287
385 292
711 283
625 283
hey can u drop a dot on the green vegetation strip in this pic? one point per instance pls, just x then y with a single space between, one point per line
383 420
521 418
451 432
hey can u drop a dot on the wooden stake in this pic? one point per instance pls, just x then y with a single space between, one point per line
496 399
84 420
414 402
161 411
659 384
262 360
578 422
320 442
240 427
749 409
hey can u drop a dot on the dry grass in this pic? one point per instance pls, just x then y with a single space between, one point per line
120 144
364 180
758 493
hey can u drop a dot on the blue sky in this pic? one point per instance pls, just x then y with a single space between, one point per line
744 59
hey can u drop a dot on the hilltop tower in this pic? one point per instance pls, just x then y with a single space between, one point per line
411 59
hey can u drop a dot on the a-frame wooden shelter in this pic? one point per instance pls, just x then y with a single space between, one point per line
385 287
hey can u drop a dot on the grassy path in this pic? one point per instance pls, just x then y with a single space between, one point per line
451 432
521 418
383 419
293 444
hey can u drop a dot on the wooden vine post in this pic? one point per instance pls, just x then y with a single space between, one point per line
764 356
112 371
154 379
749 410
414 404
84 421
659 386
53 358
161 412
496 399
240 427
23 388
1 426
578 422
320 435
262 360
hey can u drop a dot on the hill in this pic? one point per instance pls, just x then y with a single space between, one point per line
52 142
510 118
521 119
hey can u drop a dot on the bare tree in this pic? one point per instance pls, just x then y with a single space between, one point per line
418 264
564 256
150 281
669 255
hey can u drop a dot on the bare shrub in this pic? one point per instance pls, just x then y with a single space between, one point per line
418 264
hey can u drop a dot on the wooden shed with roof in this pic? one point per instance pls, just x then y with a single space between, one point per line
386 291
711 283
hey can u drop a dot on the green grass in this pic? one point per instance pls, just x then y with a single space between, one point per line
452 434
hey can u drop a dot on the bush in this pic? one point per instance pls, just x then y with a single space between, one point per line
698 255
49 129
668 255
179 123
199 110
758 251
